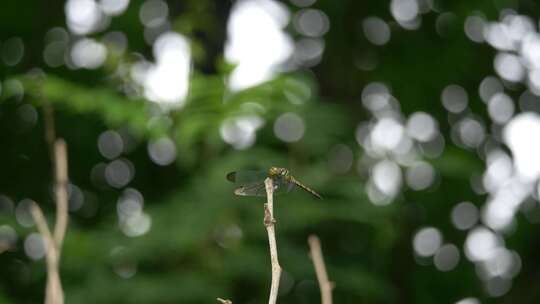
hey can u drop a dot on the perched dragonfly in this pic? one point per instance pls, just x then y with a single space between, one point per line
251 182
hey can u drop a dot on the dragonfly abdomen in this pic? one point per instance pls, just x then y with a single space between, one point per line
306 188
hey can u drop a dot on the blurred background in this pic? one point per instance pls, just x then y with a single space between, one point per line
417 120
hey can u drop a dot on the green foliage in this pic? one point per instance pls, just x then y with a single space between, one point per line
203 241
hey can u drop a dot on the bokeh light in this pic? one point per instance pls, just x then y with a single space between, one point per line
468 301
474 28
421 175
289 127
427 241
311 22
454 98
470 132
464 215
162 151
489 87
84 16
28 114
6 205
509 67
166 82
376 30
500 108
22 213
517 135
88 53
113 7
303 3
241 131
34 246
110 144
422 127
119 173
404 10
12 51
446 258
136 225
308 51
75 197
481 244
8 238
229 236
386 176
153 13
387 134
497 287
340 158
256 41
132 219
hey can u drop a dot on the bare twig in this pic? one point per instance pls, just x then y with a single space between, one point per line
53 291
224 301
320 269
61 192
53 242
42 226
269 222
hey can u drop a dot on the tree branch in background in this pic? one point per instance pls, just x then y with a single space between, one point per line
223 301
320 269
50 133
269 222
61 192
53 290
53 242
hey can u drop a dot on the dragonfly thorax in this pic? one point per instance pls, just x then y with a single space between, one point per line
276 172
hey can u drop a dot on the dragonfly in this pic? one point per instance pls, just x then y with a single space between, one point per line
251 182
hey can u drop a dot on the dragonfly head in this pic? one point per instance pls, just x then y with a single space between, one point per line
276 172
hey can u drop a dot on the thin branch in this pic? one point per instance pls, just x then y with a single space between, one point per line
269 222
223 301
42 226
50 133
320 269
53 291
61 192
53 242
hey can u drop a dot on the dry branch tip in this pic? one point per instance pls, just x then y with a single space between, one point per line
316 255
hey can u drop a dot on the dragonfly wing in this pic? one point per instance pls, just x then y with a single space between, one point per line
244 177
249 182
290 186
282 187
255 189
259 189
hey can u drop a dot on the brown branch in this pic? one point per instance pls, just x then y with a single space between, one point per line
53 292
53 242
269 222
42 226
61 192
223 301
320 269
